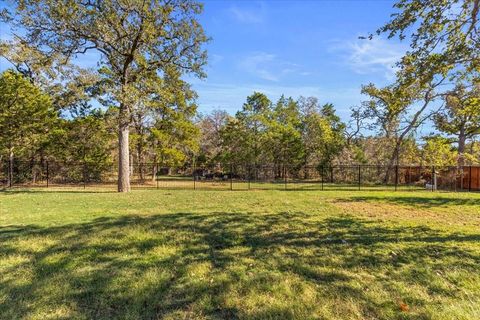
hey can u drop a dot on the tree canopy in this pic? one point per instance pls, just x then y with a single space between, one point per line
139 42
136 107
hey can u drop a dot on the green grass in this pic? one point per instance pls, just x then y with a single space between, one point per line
157 254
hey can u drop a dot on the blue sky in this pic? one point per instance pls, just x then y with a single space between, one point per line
308 48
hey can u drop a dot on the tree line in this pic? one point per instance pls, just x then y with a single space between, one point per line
135 106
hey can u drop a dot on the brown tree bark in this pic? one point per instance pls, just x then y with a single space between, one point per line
393 161
123 151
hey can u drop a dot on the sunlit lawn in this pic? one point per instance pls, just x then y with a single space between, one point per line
157 254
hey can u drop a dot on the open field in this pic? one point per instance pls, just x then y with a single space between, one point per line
212 254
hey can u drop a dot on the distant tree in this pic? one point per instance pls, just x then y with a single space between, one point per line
438 151
211 126
461 117
236 142
174 137
355 125
26 114
397 110
472 155
137 41
255 116
308 105
410 154
285 127
141 124
323 135
86 142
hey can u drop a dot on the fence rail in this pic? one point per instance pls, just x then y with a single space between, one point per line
242 176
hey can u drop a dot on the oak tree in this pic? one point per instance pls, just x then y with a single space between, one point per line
136 40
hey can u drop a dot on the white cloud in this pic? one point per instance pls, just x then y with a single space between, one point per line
215 58
371 56
250 15
259 64
268 66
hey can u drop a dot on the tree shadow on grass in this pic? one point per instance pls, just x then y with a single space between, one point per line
425 202
227 266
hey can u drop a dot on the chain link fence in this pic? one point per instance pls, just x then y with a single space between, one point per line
242 176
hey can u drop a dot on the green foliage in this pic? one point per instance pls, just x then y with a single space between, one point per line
438 151
139 43
147 47
443 33
173 136
39 67
323 134
472 153
284 133
410 153
175 139
461 117
444 44
254 117
86 141
397 110
462 112
26 113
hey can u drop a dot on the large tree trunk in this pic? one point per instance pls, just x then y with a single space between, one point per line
392 162
123 152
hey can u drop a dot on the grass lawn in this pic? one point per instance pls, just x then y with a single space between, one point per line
273 254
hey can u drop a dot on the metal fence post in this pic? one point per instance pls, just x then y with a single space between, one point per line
84 175
396 177
455 179
194 176
47 174
470 180
322 175
231 176
433 178
359 177
409 181
10 173
446 178
331 174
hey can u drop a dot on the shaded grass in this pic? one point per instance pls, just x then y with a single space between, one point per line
238 255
